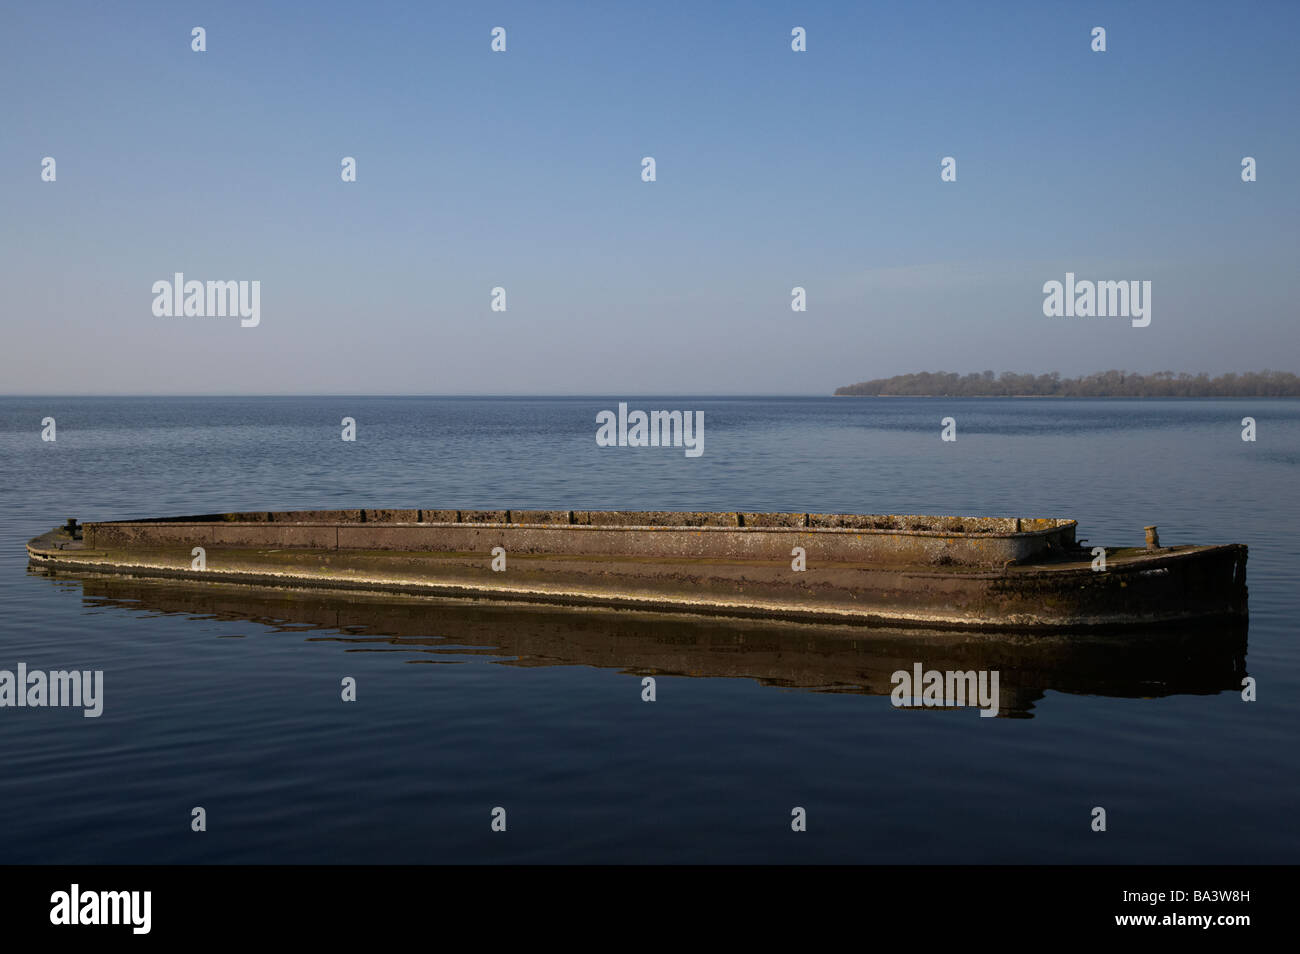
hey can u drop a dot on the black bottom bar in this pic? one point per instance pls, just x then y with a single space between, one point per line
926 903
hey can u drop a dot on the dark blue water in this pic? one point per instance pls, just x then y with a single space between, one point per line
229 699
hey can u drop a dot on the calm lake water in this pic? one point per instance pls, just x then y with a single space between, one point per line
230 699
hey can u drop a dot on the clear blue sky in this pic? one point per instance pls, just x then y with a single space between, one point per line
522 169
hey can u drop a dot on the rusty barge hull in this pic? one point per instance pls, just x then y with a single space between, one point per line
954 572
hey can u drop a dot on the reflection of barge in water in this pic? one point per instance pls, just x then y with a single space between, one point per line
967 572
858 660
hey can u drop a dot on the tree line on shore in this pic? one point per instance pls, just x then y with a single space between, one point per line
1102 384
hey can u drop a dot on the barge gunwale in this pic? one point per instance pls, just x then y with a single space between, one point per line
705 521
460 525
723 537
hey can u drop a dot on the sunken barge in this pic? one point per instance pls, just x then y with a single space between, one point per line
994 573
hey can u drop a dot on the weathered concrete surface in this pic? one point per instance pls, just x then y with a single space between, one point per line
827 538
734 571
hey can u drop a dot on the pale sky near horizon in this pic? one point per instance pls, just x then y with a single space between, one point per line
522 169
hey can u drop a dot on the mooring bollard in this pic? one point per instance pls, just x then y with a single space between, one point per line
1153 538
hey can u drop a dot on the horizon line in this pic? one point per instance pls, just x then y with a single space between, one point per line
666 394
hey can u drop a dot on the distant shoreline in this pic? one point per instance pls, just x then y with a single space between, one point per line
1080 397
1104 384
